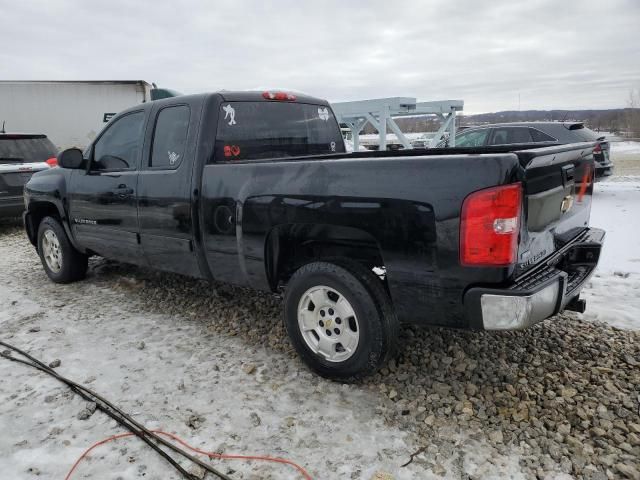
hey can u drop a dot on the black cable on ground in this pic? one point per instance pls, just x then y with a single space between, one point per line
111 414
117 414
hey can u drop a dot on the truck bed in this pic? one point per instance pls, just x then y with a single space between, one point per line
407 203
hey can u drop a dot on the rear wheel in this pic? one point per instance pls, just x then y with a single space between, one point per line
61 261
340 319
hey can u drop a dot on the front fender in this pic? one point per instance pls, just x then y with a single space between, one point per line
45 194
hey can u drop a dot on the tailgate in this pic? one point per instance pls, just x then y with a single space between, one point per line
558 187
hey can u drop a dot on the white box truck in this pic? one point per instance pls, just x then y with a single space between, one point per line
70 113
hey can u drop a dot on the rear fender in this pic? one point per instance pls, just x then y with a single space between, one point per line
401 234
290 246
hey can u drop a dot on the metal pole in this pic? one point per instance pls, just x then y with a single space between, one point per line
395 129
355 135
452 135
382 131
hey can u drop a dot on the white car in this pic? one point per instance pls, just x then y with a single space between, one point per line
21 155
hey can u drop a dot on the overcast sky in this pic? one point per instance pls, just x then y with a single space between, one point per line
551 53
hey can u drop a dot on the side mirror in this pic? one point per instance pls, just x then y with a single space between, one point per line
71 158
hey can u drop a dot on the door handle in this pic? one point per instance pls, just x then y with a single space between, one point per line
123 191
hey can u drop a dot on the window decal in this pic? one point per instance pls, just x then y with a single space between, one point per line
229 112
173 157
231 150
323 113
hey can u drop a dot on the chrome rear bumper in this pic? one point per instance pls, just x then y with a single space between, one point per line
541 293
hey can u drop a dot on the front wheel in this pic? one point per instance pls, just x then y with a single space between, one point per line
61 261
340 319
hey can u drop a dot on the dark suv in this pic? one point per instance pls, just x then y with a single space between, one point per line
21 155
551 133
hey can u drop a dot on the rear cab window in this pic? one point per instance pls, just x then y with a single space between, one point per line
269 130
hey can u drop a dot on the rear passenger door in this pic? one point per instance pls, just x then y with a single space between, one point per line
165 193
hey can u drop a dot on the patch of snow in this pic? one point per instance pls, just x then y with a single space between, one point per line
625 148
348 144
393 137
613 293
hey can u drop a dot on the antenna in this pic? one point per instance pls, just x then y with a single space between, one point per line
3 130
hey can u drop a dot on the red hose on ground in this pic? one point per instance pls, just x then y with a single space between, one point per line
222 456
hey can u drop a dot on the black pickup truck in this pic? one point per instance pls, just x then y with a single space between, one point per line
256 189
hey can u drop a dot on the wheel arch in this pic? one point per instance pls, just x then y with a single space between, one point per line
39 209
288 247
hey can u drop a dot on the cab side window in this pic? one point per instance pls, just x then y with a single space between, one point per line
120 145
170 137
472 138
510 135
539 136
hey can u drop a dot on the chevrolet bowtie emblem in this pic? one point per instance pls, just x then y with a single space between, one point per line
567 203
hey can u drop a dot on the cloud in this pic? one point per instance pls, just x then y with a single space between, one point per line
551 54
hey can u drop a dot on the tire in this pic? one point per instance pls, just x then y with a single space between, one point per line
343 349
61 261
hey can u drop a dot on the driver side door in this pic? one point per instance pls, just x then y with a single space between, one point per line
103 207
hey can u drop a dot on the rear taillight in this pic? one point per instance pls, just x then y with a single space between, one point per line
52 162
489 226
597 149
279 96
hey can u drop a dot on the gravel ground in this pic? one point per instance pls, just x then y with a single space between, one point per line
559 400
563 395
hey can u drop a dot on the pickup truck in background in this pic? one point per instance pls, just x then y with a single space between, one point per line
21 155
256 189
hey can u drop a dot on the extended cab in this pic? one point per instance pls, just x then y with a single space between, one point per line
256 189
